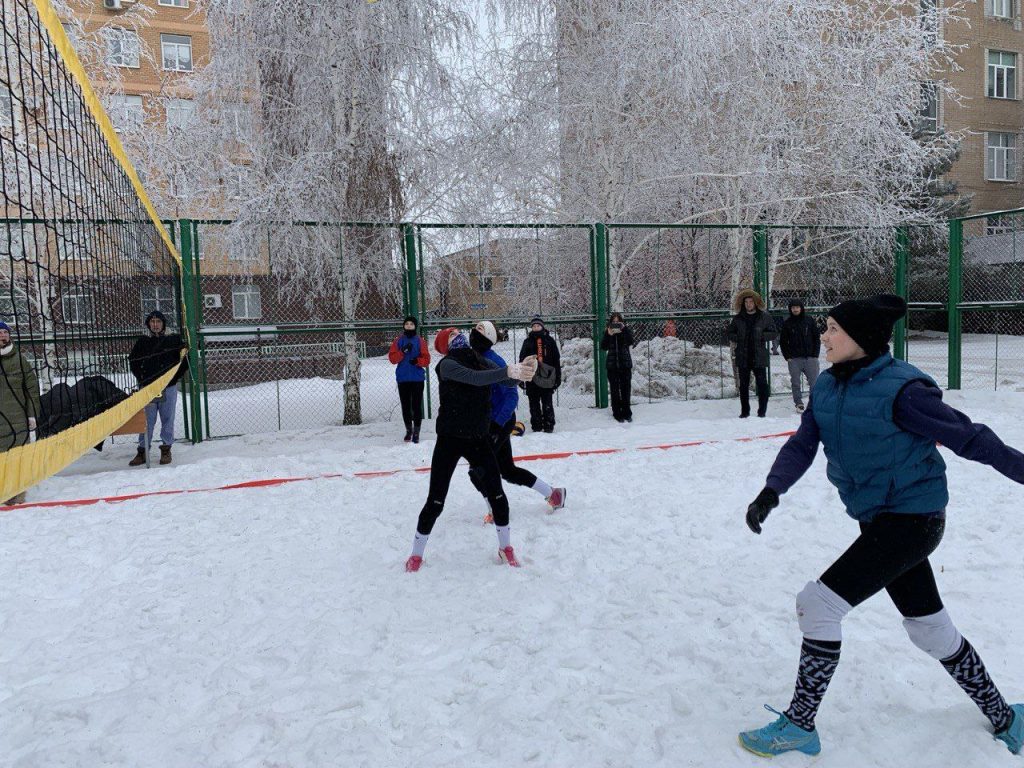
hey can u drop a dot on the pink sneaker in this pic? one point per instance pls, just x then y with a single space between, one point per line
413 564
506 555
557 498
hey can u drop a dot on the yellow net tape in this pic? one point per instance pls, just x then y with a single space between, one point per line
60 41
26 465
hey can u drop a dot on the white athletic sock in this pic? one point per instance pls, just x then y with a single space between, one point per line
542 488
419 543
504 536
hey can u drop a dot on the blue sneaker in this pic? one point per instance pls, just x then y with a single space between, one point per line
1013 737
781 736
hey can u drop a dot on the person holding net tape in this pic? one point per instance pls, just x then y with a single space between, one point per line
19 398
151 357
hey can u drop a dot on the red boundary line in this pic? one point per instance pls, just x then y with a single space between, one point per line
271 482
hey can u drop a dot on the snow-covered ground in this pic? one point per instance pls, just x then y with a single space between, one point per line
276 627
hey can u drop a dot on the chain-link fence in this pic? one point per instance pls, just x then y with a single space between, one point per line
990 252
295 320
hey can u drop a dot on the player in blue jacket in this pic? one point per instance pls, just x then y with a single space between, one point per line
878 420
504 400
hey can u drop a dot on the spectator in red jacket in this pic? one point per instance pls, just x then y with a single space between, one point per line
411 357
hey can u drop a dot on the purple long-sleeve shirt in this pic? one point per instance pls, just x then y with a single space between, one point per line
918 409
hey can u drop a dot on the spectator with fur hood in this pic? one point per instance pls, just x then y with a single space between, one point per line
750 330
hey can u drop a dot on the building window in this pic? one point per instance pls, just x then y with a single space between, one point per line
76 308
158 298
1001 9
239 121
930 21
123 48
929 114
245 302
126 112
175 3
177 52
1002 75
1003 224
180 114
484 283
13 304
1001 156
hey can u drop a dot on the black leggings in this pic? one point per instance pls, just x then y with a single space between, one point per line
891 553
480 455
411 395
506 464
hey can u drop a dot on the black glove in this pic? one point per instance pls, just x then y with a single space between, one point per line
758 511
407 349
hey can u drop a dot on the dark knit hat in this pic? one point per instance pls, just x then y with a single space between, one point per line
869 322
537 319
413 320
4 326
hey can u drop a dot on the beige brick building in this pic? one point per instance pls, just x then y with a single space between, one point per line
992 105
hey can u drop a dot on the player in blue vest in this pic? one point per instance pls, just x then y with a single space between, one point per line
878 420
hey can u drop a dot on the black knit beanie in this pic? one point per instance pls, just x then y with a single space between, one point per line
413 320
869 322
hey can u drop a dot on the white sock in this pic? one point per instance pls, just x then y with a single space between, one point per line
419 543
504 536
542 488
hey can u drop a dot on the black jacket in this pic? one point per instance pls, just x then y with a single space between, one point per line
750 333
547 351
799 337
617 345
464 409
153 356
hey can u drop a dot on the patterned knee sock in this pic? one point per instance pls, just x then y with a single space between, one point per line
967 668
818 661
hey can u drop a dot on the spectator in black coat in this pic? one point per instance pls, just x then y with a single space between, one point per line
540 343
750 330
151 357
801 344
617 342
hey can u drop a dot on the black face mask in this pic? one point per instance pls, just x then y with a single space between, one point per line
409 334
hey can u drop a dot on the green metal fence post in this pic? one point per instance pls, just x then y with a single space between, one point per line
411 291
953 299
600 311
901 257
192 319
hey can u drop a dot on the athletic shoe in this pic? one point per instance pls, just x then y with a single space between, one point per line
408 434
781 736
799 407
413 564
557 498
506 555
1013 736
415 434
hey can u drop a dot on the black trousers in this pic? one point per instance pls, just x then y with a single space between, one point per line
891 553
761 379
510 473
411 395
542 409
620 387
479 452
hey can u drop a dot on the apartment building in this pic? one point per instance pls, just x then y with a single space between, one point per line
992 104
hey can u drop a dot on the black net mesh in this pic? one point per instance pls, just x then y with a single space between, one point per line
81 261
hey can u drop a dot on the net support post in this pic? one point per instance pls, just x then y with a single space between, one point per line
191 308
953 299
901 257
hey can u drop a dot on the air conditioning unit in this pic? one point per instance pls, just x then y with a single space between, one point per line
211 301
112 5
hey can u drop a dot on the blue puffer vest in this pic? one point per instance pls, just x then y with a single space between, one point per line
876 466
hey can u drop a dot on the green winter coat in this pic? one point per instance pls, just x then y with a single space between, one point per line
19 399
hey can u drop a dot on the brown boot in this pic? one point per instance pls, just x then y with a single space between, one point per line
140 458
165 454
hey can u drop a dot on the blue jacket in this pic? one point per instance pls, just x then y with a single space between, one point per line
504 399
876 466
411 365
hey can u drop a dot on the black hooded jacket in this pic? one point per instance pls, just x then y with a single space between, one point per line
799 335
152 355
